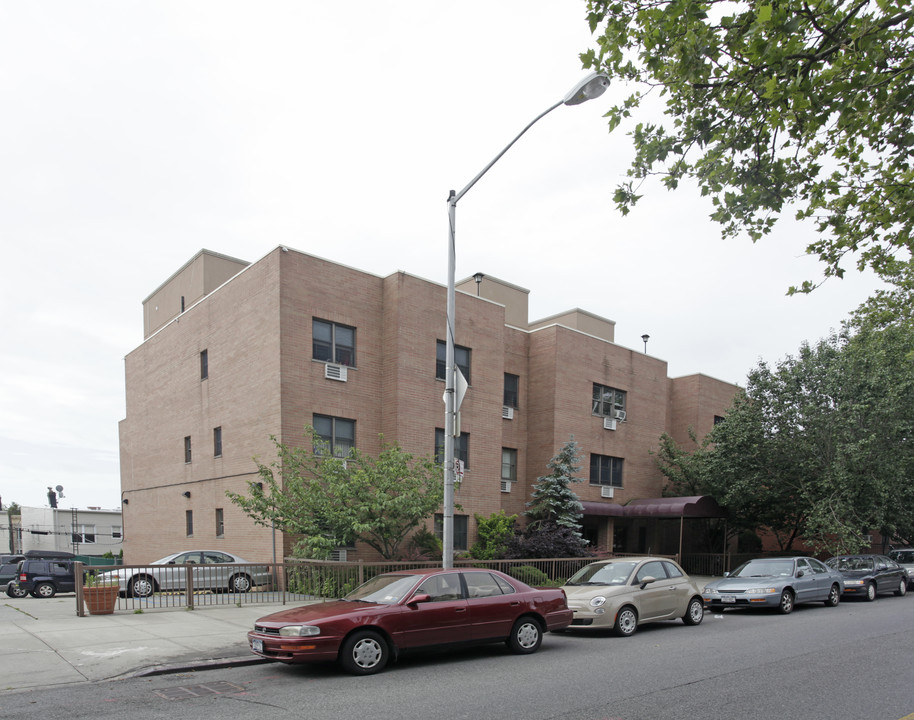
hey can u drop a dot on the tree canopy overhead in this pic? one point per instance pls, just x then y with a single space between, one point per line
772 106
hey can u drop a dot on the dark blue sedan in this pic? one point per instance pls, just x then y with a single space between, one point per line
868 575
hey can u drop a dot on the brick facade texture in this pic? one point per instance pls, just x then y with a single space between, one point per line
263 381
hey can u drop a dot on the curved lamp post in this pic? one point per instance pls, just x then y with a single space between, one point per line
589 88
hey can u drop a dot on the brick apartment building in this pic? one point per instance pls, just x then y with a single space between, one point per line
235 352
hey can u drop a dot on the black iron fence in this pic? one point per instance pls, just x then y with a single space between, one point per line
145 588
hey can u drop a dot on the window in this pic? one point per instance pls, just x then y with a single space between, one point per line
220 525
607 401
461 360
188 523
84 534
204 364
337 434
461 448
461 526
718 419
117 532
508 464
652 569
187 454
332 342
671 570
442 588
217 442
605 470
512 390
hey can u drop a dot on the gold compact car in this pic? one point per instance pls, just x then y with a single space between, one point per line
623 593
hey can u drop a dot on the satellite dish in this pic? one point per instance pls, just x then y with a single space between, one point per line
59 490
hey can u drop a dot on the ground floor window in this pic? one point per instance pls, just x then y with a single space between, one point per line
461 530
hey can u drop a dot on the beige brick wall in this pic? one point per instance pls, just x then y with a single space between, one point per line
262 380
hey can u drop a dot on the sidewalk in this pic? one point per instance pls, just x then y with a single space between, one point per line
44 643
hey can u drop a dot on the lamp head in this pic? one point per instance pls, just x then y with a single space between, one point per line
589 88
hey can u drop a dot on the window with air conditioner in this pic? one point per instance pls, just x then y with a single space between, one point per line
508 468
606 470
608 402
461 448
512 391
332 342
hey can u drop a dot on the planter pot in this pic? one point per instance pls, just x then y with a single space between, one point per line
100 599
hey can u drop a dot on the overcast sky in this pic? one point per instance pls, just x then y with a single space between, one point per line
133 134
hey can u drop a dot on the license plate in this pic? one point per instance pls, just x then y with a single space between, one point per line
728 599
257 645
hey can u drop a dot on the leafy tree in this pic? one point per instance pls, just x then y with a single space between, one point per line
553 499
333 501
493 534
819 447
774 106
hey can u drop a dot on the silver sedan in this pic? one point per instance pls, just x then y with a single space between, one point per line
208 570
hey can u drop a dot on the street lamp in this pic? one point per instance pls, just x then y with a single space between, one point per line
589 88
645 338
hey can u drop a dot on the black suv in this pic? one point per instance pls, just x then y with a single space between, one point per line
43 578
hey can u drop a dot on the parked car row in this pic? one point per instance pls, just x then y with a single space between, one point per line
45 574
400 612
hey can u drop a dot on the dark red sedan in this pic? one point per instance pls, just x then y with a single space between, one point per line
403 611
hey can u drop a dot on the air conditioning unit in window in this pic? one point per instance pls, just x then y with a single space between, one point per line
609 423
507 412
607 492
506 486
620 415
336 372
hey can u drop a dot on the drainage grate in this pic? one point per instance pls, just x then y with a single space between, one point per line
191 691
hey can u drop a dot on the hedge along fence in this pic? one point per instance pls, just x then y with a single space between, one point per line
331 579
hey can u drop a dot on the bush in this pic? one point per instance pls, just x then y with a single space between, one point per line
547 540
530 575
493 533
424 545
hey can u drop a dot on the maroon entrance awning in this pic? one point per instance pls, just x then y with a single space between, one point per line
698 506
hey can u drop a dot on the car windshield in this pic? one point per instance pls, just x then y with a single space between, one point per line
614 573
902 556
764 568
850 563
384 589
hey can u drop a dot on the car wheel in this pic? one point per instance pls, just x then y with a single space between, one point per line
695 612
142 586
626 622
526 636
44 590
834 596
870 592
240 584
902 588
364 653
16 592
785 606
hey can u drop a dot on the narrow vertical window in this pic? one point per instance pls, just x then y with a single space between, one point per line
189 522
217 442
204 364
187 454
220 525
182 303
512 390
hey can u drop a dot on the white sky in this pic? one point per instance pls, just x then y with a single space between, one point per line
133 134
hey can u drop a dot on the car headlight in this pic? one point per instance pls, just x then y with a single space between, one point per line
761 591
299 631
597 601
709 590
853 582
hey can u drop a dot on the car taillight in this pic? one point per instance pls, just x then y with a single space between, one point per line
22 577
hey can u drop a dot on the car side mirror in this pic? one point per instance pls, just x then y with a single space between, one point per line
800 573
419 598
647 580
